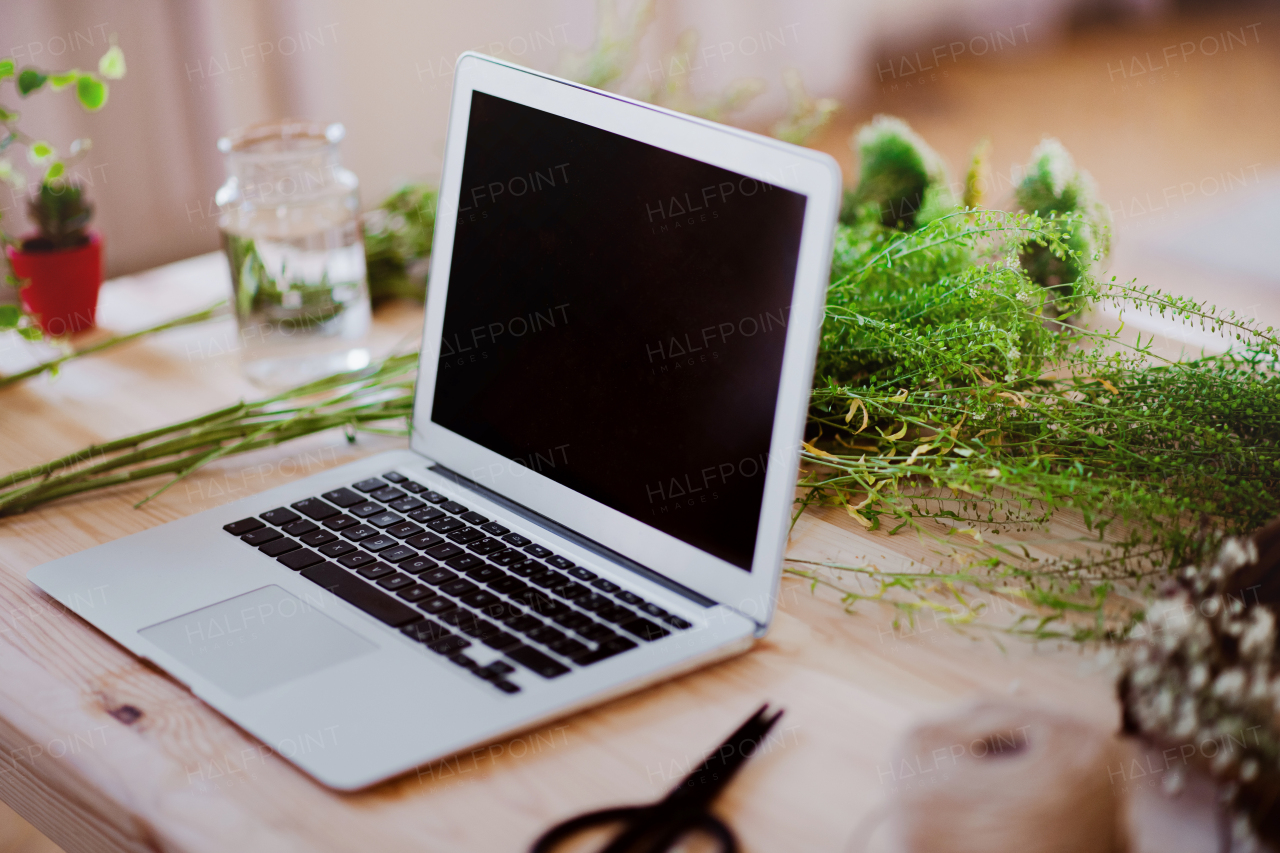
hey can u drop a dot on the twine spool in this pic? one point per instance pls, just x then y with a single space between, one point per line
1004 777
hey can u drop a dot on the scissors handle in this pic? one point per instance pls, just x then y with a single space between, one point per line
641 824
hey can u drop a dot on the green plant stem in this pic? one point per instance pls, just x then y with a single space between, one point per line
212 312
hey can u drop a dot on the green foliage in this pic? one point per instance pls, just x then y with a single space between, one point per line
61 213
946 394
397 243
13 320
900 177
1053 185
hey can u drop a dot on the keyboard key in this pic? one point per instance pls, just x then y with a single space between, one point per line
538 662
394 477
373 601
453 507
507 686
428 514
278 547
445 525
462 537
243 526
474 518
516 539
493 528
418 565
506 558
508 585
424 631
370 485
314 509
615 614
459 587
538 551
343 498
340 522
485 546
540 603
582 574
480 599
593 602
337 549
398 553
433 497
300 559
450 645
381 542
676 622
356 560
388 494
406 504
548 578
375 571
465 662
524 623
444 551
569 648
546 635
464 562
279 516
559 562
606 650
262 536
426 540
501 640
495 670
403 530
437 605
570 591
438 577
415 593
526 568
596 633
607 586
412 487
317 538
653 610
300 527
630 598
503 611
385 519
481 630
362 531
645 630
365 510
484 573
398 581
573 620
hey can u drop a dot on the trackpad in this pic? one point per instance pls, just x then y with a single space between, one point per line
258 640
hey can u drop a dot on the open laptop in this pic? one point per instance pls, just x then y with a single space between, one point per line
619 343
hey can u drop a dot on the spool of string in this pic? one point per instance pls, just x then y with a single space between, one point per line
1006 777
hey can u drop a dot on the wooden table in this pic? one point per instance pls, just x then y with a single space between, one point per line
102 752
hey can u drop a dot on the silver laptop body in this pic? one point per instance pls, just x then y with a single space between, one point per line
618 347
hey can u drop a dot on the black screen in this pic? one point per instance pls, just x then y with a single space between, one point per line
615 321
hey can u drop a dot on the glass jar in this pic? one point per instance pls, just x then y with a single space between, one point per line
289 217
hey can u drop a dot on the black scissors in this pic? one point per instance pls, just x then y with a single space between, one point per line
656 828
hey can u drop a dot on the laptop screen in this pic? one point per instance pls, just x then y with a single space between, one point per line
615 321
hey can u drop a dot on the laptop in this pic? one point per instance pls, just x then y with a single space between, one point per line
619 342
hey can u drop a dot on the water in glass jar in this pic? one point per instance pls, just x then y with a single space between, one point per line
300 292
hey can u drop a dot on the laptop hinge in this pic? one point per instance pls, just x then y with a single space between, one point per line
578 539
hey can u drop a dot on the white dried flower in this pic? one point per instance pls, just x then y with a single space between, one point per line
1260 636
1198 676
1230 684
1248 770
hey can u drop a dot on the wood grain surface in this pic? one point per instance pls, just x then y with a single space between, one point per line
102 752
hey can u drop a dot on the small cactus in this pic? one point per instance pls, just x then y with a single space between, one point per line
61 214
898 173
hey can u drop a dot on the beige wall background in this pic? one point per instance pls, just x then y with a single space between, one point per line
198 68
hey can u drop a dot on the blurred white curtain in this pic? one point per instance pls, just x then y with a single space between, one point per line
197 68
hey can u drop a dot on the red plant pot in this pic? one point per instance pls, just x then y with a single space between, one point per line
63 284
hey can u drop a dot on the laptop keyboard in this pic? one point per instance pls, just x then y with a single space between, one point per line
398 550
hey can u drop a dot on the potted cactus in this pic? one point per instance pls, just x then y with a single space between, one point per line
59 267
